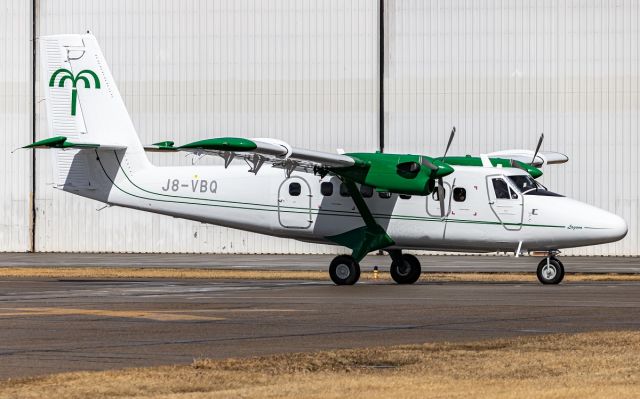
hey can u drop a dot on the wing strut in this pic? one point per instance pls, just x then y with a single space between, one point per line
362 240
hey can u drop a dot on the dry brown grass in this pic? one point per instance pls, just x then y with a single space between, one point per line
235 274
589 365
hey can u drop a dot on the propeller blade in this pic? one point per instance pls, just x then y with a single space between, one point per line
428 164
537 149
453 133
441 196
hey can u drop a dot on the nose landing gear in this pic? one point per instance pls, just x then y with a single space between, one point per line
550 270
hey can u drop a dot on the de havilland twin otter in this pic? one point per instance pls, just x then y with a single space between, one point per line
363 201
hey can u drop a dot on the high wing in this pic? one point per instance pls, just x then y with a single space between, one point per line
397 173
527 156
258 151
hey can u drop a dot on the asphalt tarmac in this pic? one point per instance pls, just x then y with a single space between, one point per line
49 326
437 263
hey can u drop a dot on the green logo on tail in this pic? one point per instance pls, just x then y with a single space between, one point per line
81 76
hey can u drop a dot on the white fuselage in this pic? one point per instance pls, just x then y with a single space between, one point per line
267 203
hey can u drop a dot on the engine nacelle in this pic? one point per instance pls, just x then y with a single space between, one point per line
402 174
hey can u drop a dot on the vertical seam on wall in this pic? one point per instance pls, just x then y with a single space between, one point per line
381 77
32 210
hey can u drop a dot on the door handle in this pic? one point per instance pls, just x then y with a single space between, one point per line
491 202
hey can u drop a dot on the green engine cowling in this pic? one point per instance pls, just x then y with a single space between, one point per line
402 174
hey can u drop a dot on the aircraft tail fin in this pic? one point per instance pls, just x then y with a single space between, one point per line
84 107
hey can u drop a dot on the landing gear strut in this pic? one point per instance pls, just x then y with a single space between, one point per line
344 270
550 270
405 268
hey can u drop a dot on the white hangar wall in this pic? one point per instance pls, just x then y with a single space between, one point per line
307 72
15 125
301 71
503 72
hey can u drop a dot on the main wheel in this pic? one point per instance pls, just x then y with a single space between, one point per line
407 271
344 270
561 268
553 273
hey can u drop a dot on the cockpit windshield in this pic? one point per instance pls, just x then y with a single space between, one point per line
524 182
527 185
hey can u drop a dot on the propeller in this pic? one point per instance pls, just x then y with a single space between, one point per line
440 182
426 162
453 133
537 149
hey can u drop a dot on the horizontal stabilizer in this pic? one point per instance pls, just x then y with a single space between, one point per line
63 142
162 146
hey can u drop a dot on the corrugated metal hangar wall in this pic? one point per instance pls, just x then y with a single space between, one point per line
308 72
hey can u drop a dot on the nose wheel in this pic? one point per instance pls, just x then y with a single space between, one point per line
550 271
344 270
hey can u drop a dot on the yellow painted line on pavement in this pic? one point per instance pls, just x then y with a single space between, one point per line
136 314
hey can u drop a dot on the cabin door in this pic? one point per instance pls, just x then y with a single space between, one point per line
506 203
294 203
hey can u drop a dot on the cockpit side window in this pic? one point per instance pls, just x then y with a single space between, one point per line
502 189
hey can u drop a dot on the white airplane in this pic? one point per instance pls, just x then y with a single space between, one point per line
363 201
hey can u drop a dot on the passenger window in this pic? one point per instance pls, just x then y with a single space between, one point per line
459 194
366 191
384 194
405 196
344 191
501 189
295 189
326 188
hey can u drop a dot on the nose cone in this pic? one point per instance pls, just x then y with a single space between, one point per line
589 225
607 226
617 227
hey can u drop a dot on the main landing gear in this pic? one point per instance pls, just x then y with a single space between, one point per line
344 270
405 269
550 270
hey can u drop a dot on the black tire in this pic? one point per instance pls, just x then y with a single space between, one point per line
551 275
407 272
344 270
561 268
